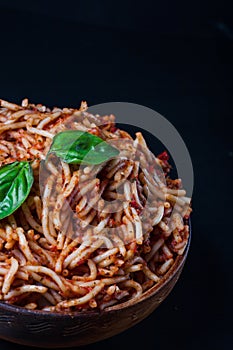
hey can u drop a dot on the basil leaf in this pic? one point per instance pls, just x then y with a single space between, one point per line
76 147
16 180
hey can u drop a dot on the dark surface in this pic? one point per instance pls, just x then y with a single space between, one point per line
176 60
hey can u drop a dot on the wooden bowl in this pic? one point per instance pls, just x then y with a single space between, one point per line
54 330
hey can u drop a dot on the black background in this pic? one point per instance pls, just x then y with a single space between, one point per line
175 58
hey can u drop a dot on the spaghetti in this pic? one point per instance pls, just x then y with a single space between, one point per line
87 236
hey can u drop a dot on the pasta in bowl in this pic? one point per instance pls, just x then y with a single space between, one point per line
91 225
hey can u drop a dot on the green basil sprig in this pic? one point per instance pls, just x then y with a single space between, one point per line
16 180
76 147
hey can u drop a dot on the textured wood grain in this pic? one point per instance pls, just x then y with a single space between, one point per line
44 329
